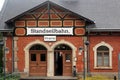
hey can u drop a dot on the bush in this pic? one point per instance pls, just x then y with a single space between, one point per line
97 78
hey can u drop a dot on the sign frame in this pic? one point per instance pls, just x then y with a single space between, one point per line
50 31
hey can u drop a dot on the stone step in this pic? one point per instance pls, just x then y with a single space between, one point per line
50 78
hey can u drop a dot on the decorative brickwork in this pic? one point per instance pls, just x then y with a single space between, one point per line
56 23
79 23
43 23
54 16
79 31
31 23
20 31
20 23
68 23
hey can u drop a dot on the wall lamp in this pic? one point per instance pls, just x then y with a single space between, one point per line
81 48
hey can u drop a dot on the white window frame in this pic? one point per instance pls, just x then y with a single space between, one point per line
95 55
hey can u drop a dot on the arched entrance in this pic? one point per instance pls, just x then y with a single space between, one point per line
38 60
62 60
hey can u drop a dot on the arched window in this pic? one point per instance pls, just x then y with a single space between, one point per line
62 47
38 47
103 55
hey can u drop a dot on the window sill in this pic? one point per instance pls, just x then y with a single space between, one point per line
102 67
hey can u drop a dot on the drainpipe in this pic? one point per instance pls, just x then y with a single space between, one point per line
85 59
86 43
13 53
88 54
4 57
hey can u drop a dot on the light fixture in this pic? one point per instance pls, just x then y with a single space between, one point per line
80 50
87 43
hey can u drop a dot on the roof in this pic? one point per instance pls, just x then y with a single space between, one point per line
105 13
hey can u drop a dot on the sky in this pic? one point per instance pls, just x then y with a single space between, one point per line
1 4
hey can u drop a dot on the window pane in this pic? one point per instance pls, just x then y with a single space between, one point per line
68 57
38 47
102 48
62 47
33 57
106 59
99 59
42 57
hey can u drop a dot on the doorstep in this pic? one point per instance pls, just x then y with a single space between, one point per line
50 78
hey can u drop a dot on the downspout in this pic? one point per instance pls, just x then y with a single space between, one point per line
88 52
4 57
13 53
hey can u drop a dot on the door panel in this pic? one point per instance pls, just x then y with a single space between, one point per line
65 66
38 63
67 63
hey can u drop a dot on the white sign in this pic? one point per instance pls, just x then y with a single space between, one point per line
50 31
49 38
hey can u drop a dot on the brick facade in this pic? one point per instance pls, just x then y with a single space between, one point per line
111 40
76 41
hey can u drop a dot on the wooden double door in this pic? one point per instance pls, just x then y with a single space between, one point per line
63 63
38 63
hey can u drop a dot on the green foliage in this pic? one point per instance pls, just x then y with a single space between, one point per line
10 77
1 55
97 78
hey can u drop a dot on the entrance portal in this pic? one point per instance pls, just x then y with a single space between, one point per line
63 60
38 60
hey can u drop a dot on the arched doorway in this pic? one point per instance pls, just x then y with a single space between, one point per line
38 60
62 60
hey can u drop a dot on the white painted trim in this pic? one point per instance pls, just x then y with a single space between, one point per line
95 53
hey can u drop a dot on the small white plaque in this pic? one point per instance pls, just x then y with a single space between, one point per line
67 60
49 38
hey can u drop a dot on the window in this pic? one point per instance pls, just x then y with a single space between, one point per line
33 57
68 57
103 56
42 57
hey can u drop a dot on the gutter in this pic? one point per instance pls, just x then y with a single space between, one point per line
6 30
102 30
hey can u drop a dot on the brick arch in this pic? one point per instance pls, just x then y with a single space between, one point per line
27 48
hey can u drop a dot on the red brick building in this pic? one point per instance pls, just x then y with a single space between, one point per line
49 38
